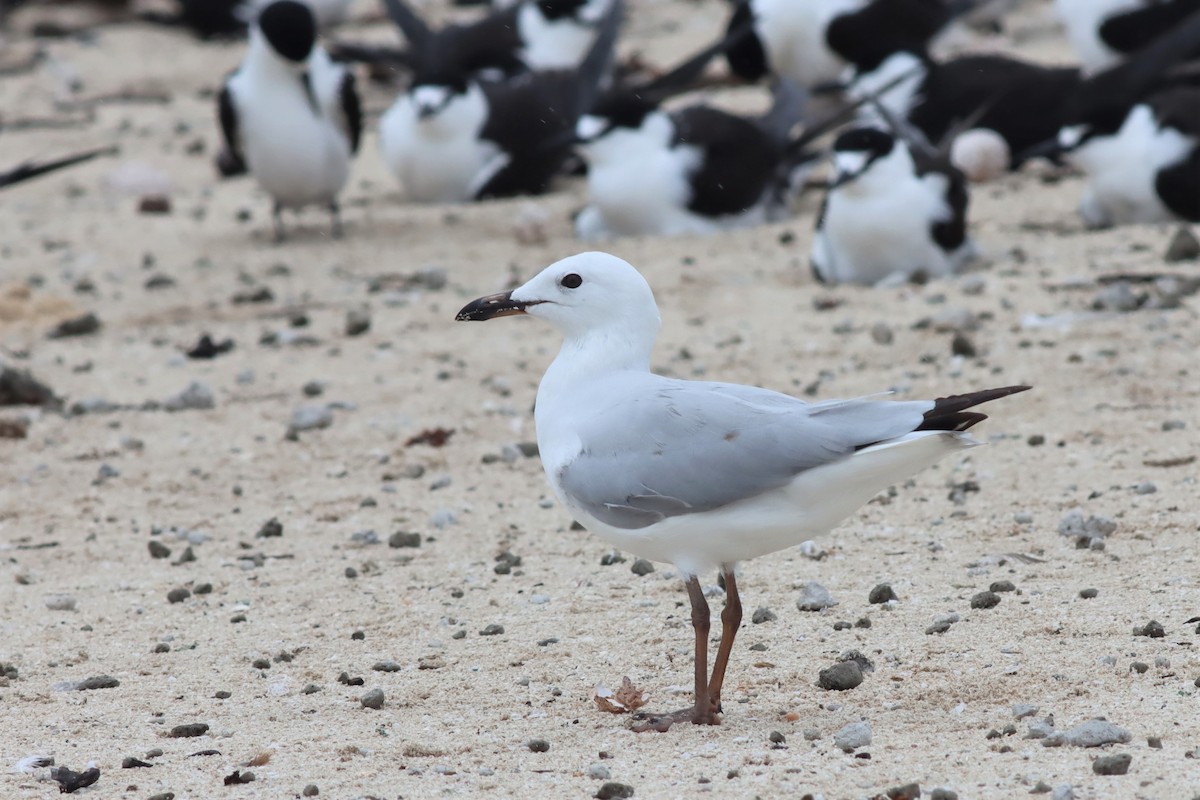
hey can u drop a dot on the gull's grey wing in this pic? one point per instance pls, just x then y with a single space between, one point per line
687 447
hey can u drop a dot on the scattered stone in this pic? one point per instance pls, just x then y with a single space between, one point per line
985 600
777 738
909 791
178 595
189 730
815 597
346 680
598 772
492 630
1002 586
87 324
1023 518
853 736
943 794
1140 667
386 666
239 777
196 397
1116 764
19 388
762 615
98 682
1093 733
1088 594
1183 246
641 567
260 295
614 791
881 333
309 417
206 348
158 549
1023 710
608 559
358 321
1145 487
404 539
858 657
942 623
1153 629
538 745
154 204
129 762
840 677
60 602
443 518
1118 296
222 694
310 790
963 345
372 699
1086 531
882 593
1154 742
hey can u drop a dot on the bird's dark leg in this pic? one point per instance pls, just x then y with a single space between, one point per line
731 621
701 712
335 211
277 214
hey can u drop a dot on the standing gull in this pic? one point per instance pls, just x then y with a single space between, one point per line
697 473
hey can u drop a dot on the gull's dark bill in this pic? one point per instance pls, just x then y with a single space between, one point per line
490 307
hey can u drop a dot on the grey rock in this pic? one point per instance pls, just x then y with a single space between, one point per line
641 567
853 736
598 772
19 388
492 630
386 666
309 417
538 746
1086 531
83 325
1183 246
98 682
941 793
1145 487
60 602
196 397
1064 791
1093 733
443 518
762 615
92 405
1118 296
987 599
840 677
881 333
1153 629
313 389
1023 518
1088 594
1040 729
1023 710
882 593
858 657
614 791
404 539
1116 764
358 321
158 549
372 699
815 597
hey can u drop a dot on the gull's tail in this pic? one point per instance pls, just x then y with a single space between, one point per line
951 414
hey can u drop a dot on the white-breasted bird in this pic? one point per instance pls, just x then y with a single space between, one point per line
893 212
701 474
291 114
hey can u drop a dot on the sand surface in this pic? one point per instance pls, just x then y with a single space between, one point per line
82 496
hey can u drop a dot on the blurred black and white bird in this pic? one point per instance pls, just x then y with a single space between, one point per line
453 137
1105 32
529 35
813 42
1144 167
1025 103
291 114
210 19
895 212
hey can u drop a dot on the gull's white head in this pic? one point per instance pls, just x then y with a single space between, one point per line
580 295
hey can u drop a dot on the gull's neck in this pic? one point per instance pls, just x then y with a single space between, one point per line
593 355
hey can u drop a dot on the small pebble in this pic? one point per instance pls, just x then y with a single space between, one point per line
158 549
1140 667
404 539
882 593
1022 710
598 772
853 736
985 600
492 630
909 791
178 595
943 794
272 527
840 677
1183 246
1154 742
386 666
641 567
881 333
762 615
1116 764
1145 487
1088 594
60 602
372 699
223 695
815 597
608 559
197 396
358 321
538 745
1002 586
310 790
1153 629
98 682
309 417
614 791
189 730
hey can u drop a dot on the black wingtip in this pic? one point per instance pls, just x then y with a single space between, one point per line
951 414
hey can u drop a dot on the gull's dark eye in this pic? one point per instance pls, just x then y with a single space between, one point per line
571 281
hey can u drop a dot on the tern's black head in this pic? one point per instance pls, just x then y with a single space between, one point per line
560 9
747 59
619 109
871 141
290 29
